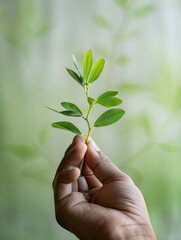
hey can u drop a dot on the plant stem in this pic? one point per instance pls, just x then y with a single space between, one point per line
88 113
87 90
86 118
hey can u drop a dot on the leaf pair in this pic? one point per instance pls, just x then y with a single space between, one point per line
107 118
90 73
66 126
71 110
108 99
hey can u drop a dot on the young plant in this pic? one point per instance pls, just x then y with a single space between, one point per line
107 99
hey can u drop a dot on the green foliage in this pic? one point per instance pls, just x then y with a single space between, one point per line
131 88
110 102
170 147
22 21
123 3
147 125
87 64
23 151
101 21
166 90
122 60
156 102
91 100
109 117
38 173
108 94
71 107
66 126
143 11
129 11
107 99
75 76
96 70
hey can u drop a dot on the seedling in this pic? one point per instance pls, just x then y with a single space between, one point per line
107 99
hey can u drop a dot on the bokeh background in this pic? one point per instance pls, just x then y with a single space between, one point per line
140 41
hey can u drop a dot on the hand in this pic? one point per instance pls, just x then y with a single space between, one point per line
102 204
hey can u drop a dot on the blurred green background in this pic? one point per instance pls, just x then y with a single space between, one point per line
141 43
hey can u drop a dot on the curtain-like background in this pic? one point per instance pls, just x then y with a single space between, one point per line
140 41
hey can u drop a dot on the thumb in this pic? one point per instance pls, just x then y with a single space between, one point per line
101 166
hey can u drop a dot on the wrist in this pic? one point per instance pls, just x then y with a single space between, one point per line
131 232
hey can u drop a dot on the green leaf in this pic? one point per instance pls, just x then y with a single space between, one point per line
131 88
76 65
109 102
109 117
96 70
91 100
122 60
71 107
75 62
43 135
146 125
23 151
101 21
43 29
53 110
170 147
87 64
143 11
123 3
71 113
66 126
37 173
75 76
107 94
107 99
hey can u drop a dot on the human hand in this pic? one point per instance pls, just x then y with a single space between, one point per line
104 203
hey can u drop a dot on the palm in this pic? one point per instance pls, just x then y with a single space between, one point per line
106 206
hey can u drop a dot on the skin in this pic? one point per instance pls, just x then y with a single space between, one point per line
101 204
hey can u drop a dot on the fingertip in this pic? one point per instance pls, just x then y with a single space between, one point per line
78 138
77 146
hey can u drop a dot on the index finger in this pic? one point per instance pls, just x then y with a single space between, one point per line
67 170
73 155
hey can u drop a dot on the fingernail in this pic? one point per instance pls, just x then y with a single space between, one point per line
96 148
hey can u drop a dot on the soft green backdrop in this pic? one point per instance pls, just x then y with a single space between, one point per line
141 43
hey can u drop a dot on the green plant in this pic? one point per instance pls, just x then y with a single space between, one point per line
107 99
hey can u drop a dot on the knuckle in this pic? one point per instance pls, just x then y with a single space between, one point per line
104 157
